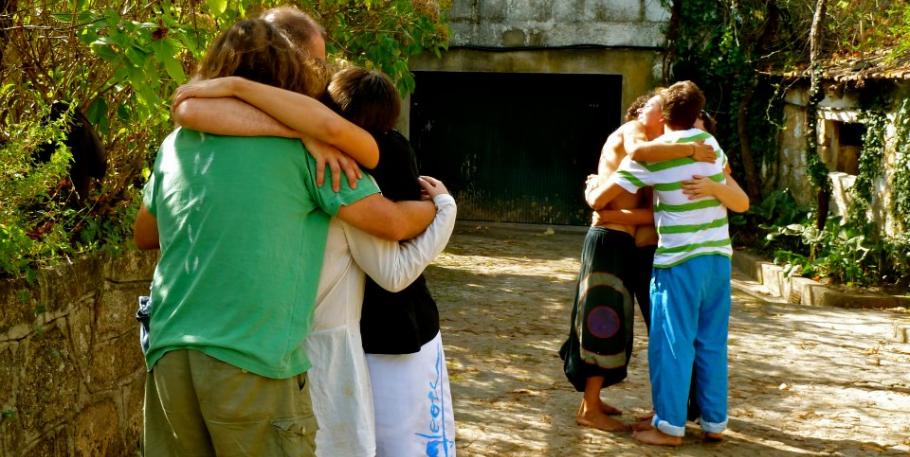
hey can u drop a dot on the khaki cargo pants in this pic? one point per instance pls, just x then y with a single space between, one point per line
196 405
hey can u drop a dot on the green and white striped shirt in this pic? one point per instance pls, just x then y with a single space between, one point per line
686 228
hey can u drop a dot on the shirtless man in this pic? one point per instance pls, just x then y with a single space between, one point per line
599 346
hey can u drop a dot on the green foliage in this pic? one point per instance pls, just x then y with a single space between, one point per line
383 34
119 63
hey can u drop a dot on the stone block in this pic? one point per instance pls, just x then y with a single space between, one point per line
464 11
81 322
798 287
62 285
529 10
12 362
114 360
132 266
115 311
613 10
493 11
655 12
57 442
97 431
49 388
12 435
569 11
773 279
514 38
133 394
19 302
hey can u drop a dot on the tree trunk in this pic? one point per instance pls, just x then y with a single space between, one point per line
7 7
816 34
753 188
672 35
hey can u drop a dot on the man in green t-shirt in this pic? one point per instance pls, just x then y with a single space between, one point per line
242 227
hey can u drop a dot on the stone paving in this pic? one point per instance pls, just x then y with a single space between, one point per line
804 380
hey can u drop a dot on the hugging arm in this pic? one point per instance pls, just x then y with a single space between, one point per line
145 230
228 116
394 265
303 114
729 193
639 148
386 219
599 192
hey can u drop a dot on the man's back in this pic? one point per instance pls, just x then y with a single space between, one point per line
686 228
241 238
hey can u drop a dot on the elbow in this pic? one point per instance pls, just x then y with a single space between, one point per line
740 207
184 114
145 243
743 207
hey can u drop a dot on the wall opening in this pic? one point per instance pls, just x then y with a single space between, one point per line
514 147
843 145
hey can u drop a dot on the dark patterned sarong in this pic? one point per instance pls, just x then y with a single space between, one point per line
600 335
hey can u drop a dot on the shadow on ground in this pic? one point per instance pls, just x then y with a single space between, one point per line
804 381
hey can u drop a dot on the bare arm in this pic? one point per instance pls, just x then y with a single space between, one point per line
729 194
228 116
609 156
599 192
145 230
301 113
637 146
395 265
390 220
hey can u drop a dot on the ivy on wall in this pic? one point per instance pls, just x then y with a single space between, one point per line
900 179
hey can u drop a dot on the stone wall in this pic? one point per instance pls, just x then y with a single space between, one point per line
71 372
790 171
557 23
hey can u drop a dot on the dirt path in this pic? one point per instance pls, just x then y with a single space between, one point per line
804 381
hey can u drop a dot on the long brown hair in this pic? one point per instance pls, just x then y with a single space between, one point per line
256 50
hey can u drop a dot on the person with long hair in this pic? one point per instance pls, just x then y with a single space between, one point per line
242 228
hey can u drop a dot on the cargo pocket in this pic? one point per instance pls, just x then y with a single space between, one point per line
296 436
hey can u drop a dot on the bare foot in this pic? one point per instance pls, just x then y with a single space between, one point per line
711 437
657 437
646 417
642 425
595 418
610 410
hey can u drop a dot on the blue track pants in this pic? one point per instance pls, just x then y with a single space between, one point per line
690 312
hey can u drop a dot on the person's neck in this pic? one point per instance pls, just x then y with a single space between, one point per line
668 129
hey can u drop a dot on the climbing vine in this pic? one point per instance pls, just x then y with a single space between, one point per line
900 179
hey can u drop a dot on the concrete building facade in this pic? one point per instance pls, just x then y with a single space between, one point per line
579 58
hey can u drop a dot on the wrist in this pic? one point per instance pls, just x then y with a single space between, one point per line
691 150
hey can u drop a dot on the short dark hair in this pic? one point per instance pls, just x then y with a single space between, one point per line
635 107
366 98
682 103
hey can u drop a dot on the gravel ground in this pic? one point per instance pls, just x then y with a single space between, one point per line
803 381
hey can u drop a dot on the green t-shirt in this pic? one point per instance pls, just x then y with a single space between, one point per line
242 228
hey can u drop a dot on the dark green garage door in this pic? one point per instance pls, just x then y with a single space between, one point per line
514 147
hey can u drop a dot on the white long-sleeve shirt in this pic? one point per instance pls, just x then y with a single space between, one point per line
339 379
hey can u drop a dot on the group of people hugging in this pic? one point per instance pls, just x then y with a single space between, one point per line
286 316
660 237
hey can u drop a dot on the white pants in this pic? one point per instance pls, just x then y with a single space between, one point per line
413 403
